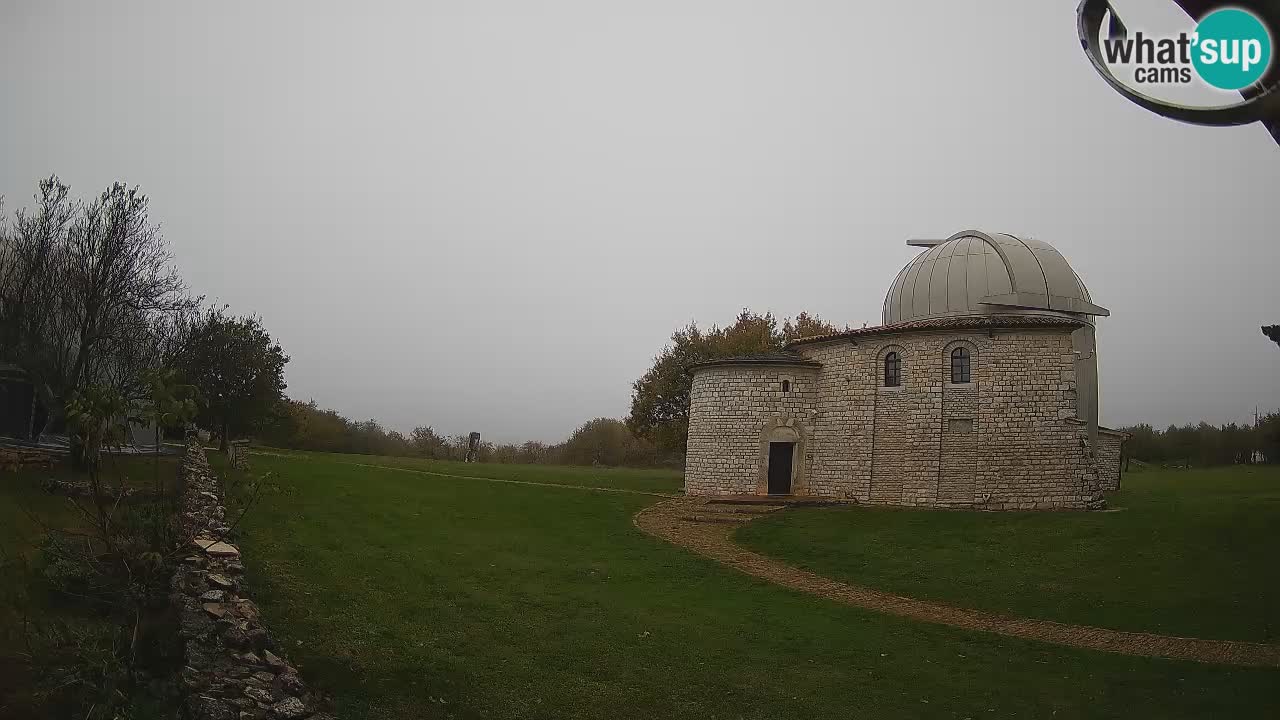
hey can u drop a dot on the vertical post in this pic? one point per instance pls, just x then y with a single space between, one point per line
238 454
473 447
31 424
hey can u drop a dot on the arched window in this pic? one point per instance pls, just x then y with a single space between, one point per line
892 370
786 386
960 365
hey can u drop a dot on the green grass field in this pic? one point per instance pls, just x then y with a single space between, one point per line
1190 553
644 480
407 595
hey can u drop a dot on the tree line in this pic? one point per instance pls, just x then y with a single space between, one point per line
1206 445
602 441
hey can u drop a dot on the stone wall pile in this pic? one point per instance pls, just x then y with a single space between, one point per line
14 458
234 669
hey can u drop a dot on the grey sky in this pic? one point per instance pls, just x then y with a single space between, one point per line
490 215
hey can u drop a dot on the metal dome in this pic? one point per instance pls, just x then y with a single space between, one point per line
978 273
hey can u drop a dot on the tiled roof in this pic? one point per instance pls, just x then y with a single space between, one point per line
765 358
957 322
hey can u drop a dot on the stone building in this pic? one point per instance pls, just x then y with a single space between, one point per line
980 389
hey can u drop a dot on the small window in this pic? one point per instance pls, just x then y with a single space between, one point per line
892 370
786 386
960 365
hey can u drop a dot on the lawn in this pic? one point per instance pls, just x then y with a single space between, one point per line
644 480
1188 553
407 595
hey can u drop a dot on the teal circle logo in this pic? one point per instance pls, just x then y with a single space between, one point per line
1232 49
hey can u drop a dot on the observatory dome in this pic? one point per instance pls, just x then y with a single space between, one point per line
978 273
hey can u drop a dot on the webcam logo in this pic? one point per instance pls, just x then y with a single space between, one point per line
1230 49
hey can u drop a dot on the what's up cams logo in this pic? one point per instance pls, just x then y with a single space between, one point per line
1229 49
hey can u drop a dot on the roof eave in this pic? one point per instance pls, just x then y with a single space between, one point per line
809 364
940 324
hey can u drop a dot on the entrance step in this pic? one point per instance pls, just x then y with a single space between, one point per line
787 500
717 518
716 506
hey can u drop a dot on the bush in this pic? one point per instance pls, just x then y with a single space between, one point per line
79 665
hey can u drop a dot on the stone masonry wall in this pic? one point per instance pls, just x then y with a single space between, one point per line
1110 458
1002 441
1031 456
845 421
234 670
730 409
959 449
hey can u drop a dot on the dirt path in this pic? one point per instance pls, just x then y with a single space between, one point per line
705 527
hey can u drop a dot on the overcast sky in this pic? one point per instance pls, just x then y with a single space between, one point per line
491 215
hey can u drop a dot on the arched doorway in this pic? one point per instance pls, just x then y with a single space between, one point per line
780 473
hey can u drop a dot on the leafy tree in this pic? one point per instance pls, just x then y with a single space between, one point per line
96 415
532 452
1268 440
238 370
169 405
424 442
1272 332
806 325
304 426
660 398
605 441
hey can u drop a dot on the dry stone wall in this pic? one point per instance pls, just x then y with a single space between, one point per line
234 669
12 458
1005 440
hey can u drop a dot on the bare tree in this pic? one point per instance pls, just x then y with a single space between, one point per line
119 276
33 327
89 294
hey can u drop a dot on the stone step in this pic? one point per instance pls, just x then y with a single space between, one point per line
721 518
719 507
785 500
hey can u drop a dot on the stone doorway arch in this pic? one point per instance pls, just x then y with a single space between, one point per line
783 429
